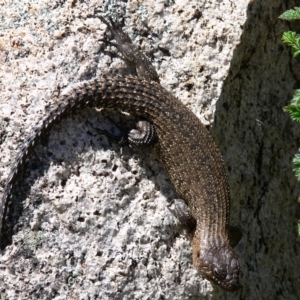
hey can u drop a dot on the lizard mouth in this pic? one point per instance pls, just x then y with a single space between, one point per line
230 283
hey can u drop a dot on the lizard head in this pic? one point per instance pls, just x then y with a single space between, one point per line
219 264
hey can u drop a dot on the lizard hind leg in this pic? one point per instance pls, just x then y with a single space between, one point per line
143 135
131 54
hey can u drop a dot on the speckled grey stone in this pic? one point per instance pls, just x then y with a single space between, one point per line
95 223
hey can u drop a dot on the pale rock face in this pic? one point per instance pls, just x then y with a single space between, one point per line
94 223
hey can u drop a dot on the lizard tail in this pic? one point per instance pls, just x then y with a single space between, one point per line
120 93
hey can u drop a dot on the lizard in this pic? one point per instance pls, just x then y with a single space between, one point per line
186 149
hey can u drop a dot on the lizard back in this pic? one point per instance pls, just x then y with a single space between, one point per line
187 151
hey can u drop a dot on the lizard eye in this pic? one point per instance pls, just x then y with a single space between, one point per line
220 274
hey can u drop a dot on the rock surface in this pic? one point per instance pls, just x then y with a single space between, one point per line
94 223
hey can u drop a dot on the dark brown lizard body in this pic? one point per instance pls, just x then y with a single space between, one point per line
187 151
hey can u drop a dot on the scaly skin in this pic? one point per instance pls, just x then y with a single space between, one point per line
187 151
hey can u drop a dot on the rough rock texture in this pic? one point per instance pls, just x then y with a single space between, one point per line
94 223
